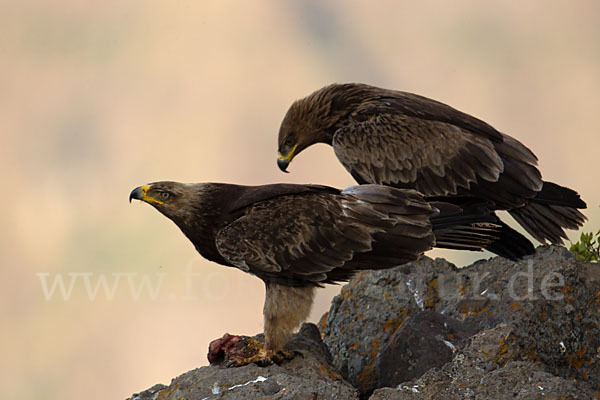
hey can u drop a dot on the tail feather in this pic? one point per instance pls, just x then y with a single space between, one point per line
472 237
510 243
554 208
557 195
469 227
450 215
546 222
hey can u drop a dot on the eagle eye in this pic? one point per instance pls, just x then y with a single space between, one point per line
164 195
289 141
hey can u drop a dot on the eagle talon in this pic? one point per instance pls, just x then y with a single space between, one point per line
263 358
284 355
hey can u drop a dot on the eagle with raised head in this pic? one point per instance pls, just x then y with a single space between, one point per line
298 237
404 140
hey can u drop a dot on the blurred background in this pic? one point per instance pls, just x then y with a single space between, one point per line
97 98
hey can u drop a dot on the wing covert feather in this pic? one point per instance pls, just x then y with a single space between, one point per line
433 157
289 235
313 237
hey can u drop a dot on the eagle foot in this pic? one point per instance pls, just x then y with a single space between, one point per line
263 358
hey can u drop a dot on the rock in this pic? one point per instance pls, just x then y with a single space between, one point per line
476 373
550 303
370 308
309 375
425 340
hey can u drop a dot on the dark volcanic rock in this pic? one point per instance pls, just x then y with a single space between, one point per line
475 372
309 375
425 340
370 308
550 303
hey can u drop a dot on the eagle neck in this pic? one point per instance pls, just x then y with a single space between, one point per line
208 215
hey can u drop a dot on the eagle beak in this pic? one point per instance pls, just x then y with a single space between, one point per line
141 193
137 193
282 164
284 161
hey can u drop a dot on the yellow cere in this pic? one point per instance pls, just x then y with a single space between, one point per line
289 156
147 198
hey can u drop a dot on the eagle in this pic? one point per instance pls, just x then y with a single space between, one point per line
298 237
404 140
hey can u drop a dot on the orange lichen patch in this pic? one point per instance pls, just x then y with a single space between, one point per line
329 373
345 292
543 315
515 306
387 295
359 318
392 324
485 352
463 289
531 356
566 290
578 317
431 294
579 358
354 346
503 355
366 378
473 307
167 393
323 322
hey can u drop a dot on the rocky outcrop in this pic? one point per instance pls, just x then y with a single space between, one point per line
495 329
309 375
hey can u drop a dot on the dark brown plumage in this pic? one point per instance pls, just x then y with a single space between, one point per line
408 141
298 237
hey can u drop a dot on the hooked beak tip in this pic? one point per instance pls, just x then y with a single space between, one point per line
282 164
136 194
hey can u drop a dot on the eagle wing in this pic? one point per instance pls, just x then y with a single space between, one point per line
433 157
300 239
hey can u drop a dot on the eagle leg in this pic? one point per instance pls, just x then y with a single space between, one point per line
285 309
